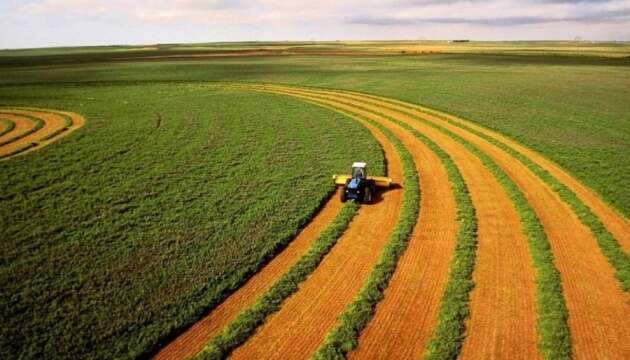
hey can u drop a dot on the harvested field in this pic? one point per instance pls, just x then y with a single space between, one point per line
504 276
34 129
496 273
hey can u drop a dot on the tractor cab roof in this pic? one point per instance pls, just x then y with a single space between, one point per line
359 165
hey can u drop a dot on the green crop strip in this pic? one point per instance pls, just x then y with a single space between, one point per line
356 316
239 330
8 126
552 324
619 259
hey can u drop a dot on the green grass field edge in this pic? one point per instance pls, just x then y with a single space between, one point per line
554 336
248 320
610 247
8 126
356 316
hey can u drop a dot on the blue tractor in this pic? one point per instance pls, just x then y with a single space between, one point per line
358 186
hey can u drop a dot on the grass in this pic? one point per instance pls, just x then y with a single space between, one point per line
167 200
355 317
241 328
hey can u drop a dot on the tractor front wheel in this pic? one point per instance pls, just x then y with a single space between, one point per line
343 196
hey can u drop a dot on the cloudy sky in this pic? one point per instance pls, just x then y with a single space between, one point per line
36 23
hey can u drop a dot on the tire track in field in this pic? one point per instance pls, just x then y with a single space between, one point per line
56 124
193 340
617 224
504 277
299 327
599 312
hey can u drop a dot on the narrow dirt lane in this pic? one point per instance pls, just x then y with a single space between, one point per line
195 338
305 318
504 278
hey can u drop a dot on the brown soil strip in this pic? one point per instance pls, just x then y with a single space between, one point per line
599 311
54 122
195 338
504 277
22 125
616 223
305 318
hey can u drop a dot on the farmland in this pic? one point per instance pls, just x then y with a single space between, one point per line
192 213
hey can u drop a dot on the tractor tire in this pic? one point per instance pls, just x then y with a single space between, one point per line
343 196
367 197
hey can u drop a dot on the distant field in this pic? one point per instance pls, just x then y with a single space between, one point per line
199 163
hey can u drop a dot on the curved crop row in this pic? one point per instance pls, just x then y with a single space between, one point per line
356 316
37 125
553 329
552 311
249 319
49 126
611 248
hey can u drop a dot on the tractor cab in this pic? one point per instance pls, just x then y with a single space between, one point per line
359 170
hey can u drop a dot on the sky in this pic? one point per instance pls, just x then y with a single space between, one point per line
44 23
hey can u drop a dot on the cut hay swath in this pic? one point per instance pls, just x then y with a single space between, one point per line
29 129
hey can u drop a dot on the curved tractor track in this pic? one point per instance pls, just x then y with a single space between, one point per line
503 311
30 129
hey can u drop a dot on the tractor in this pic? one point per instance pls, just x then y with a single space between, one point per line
358 186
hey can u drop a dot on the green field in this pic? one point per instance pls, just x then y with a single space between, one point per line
108 234
179 188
